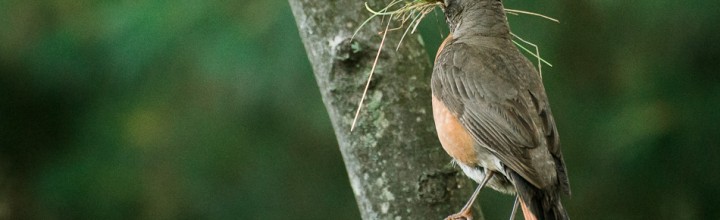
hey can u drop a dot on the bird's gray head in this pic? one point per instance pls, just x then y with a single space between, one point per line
486 17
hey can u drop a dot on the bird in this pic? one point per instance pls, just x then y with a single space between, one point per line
492 114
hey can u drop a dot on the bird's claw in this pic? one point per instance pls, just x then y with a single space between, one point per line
460 216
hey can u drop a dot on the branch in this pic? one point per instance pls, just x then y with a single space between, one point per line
396 166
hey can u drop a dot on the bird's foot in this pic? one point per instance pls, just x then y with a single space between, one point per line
462 215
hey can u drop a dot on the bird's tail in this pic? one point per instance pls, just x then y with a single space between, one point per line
537 203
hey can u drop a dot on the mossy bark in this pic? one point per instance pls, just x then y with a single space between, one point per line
396 166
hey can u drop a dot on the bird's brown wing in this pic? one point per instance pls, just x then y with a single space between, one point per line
500 100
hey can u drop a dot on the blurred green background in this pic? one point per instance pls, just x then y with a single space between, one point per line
209 110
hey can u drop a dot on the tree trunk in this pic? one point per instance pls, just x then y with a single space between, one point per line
396 166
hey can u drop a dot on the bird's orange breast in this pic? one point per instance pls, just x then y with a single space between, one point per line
454 138
442 45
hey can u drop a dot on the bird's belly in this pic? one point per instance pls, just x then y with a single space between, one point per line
499 181
474 160
456 141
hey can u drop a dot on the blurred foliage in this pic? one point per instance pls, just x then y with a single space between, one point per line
209 110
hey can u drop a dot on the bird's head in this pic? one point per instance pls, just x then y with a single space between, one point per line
489 14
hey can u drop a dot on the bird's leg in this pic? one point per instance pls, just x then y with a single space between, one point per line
526 212
515 205
466 212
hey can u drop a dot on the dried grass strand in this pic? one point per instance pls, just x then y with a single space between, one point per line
516 12
372 71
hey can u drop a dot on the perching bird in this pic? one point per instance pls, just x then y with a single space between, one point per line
492 114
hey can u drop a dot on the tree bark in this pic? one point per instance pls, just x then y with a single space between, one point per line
396 166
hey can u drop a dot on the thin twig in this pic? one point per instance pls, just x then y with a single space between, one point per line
372 70
515 12
373 16
414 18
536 54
